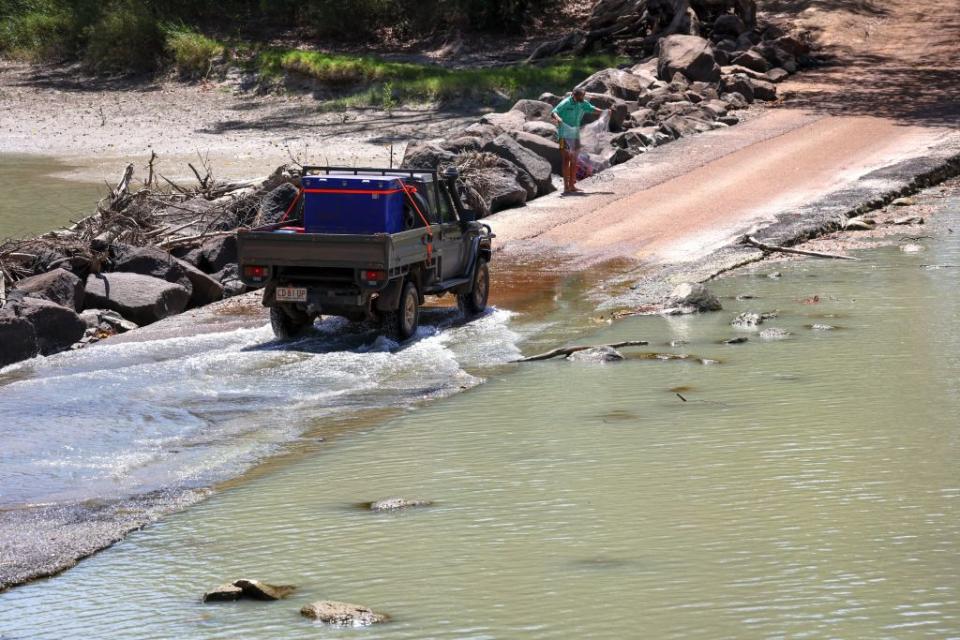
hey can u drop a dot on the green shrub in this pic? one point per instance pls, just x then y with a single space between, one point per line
193 53
126 38
40 31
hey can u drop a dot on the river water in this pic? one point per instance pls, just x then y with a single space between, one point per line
801 488
35 200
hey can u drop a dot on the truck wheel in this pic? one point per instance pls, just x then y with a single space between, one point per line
288 323
475 301
402 323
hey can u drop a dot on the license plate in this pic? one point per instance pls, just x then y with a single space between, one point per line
291 294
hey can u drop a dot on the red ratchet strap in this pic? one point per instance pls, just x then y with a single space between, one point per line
292 205
408 189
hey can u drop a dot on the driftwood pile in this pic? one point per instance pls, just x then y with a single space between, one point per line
151 249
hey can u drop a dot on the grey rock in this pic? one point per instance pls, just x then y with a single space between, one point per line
764 90
396 504
462 144
728 25
908 220
643 117
740 340
509 121
18 339
204 288
714 108
738 83
681 126
546 148
56 326
248 589
342 614
542 129
275 204
735 100
148 261
695 295
106 320
774 334
550 99
596 354
59 286
752 60
425 155
142 299
502 188
777 75
748 320
617 156
729 120
750 73
534 110
904 202
229 279
858 224
616 82
538 168
218 253
690 55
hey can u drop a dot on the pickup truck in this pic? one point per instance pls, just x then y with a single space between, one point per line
368 244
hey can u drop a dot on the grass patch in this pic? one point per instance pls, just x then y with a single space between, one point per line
192 53
44 33
382 83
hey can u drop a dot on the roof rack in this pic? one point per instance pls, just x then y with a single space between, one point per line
367 171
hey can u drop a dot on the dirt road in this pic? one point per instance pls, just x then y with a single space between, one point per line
889 96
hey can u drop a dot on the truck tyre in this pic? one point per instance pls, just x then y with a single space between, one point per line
288 323
474 302
402 322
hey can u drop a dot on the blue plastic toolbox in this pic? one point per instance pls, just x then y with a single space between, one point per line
349 204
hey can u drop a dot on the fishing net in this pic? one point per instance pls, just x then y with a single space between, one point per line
594 139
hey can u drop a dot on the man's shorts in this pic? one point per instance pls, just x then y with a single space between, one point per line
570 145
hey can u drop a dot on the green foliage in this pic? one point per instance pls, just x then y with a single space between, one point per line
420 82
38 31
192 52
127 37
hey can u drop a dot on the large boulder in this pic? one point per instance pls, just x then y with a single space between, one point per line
544 129
693 297
424 155
728 25
204 288
752 60
738 83
59 286
538 168
509 121
18 339
534 110
546 148
142 299
501 188
148 261
217 253
690 55
764 90
276 203
616 82
342 614
56 326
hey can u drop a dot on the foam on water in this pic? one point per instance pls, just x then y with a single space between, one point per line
123 419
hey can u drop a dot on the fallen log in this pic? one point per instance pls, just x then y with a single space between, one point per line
750 240
176 242
566 351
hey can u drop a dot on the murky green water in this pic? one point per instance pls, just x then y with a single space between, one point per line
34 201
807 488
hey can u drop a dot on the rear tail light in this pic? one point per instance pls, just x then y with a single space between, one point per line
255 272
374 276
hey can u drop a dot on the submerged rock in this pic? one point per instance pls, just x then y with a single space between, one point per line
740 340
395 504
250 589
912 248
18 339
342 614
822 327
596 354
774 334
748 320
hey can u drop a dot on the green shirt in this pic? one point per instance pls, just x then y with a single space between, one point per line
571 115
